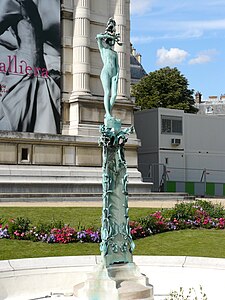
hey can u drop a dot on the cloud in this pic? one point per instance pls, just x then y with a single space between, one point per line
170 57
200 59
139 7
184 35
145 39
218 24
203 57
142 39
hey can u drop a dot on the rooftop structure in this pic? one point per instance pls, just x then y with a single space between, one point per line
214 105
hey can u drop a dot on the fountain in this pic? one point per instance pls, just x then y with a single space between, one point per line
115 274
117 277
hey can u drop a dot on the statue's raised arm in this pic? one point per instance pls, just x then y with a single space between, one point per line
110 70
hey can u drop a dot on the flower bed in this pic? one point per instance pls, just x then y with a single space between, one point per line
192 215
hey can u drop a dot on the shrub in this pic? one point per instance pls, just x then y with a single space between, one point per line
46 227
214 210
19 227
63 236
197 209
154 223
183 211
137 231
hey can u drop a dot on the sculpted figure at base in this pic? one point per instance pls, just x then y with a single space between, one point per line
110 70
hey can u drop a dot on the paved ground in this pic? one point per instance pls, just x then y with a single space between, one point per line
132 203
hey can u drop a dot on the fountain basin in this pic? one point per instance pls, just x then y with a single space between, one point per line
54 277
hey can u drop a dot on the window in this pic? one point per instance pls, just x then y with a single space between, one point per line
24 154
171 124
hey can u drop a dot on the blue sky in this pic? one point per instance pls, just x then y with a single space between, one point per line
187 34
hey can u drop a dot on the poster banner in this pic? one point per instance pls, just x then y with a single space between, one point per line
30 66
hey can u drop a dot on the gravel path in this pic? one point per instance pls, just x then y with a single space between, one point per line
132 203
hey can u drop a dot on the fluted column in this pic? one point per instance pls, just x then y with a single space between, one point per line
127 7
121 21
81 48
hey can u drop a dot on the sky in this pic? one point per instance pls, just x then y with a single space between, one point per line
186 34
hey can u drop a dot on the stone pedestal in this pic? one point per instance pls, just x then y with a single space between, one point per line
116 282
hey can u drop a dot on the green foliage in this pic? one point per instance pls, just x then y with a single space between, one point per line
183 211
215 210
2 221
189 210
165 87
153 223
19 225
190 295
46 227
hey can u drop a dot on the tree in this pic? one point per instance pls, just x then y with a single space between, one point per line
165 87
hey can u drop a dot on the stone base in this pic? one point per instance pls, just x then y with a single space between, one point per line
117 282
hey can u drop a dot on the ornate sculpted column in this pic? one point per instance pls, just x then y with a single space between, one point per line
117 277
81 48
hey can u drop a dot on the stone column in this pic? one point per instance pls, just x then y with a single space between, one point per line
81 48
127 7
121 21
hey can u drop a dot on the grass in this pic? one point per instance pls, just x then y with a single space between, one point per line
208 243
198 242
203 242
74 216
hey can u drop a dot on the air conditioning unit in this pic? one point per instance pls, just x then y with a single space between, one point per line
175 142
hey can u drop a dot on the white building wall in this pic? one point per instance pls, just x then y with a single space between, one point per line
202 147
196 164
175 164
204 133
205 146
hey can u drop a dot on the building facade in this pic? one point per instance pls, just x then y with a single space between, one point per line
182 152
214 105
48 159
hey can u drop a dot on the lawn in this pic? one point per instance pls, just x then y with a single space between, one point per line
74 216
208 243
198 242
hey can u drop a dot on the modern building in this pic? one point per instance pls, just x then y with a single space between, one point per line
182 152
49 119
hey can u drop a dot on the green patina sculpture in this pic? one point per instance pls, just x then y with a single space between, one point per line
117 277
110 70
117 244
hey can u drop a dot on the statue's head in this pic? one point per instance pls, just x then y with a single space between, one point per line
110 42
111 26
111 30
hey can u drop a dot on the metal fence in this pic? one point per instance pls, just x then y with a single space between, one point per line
200 182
